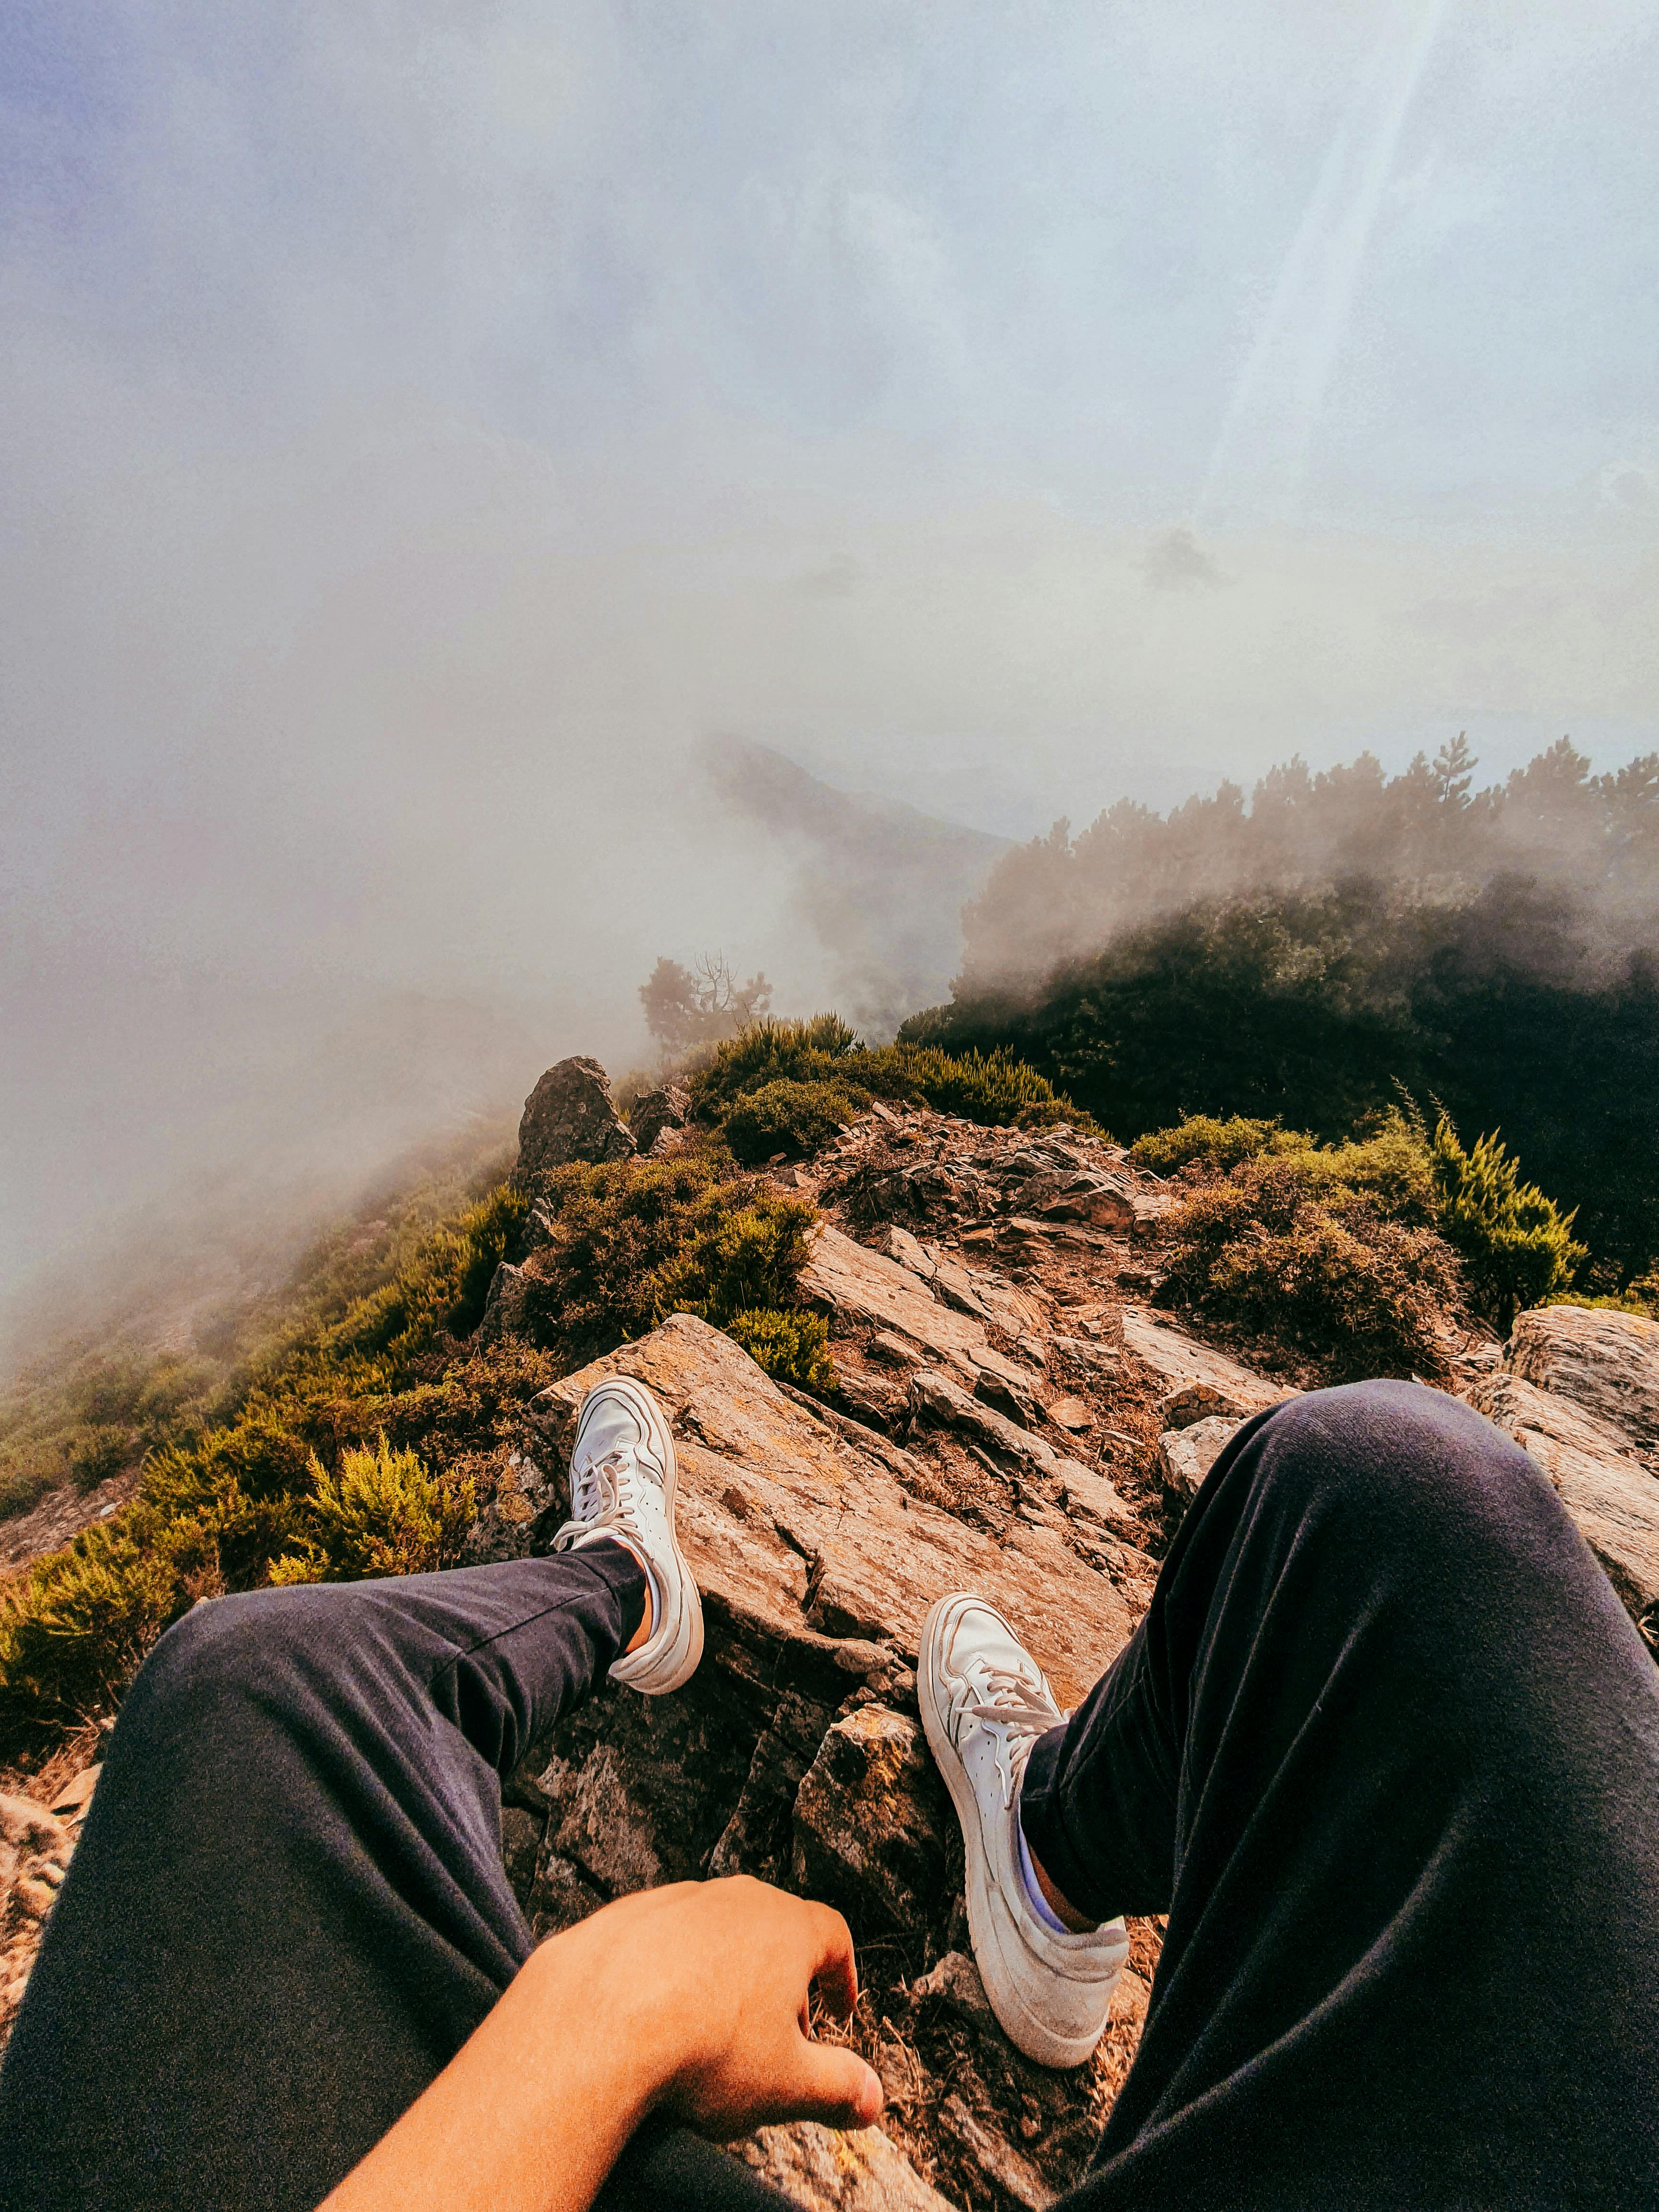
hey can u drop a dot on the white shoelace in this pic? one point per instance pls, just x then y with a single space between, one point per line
1010 1706
602 1502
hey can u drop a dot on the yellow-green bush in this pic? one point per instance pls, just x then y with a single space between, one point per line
635 1240
382 1514
1517 1245
793 1346
219 1505
1283 1252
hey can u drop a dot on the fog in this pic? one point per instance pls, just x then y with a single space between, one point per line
424 428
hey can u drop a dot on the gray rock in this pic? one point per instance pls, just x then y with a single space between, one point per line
1609 1493
870 1821
658 1113
1180 1361
1001 2165
956 1981
1608 1362
570 1117
1185 1456
503 1313
832 2170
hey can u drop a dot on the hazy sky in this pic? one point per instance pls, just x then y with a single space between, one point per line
423 423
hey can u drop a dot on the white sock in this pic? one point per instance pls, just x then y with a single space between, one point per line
1039 1904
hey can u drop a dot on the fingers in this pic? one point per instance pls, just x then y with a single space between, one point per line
834 2086
834 1969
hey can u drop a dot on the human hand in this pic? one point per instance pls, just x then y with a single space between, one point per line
705 1988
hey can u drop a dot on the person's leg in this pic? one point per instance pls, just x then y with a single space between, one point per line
1386 1748
289 1909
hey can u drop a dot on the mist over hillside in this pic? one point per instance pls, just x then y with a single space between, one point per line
879 884
1343 935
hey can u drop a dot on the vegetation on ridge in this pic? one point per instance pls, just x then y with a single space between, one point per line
828 1070
363 1421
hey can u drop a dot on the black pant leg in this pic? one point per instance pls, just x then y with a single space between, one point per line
1386 1749
288 1910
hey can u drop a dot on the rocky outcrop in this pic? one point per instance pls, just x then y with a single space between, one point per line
1608 1362
569 1116
796 1751
658 1117
803 1538
1197 1382
1594 1466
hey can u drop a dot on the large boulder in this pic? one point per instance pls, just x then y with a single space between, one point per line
1608 1362
778 1504
1609 1493
870 1821
569 1116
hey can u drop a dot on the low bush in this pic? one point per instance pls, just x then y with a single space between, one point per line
382 1514
995 1088
793 1346
636 1240
226 1504
1287 1253
791 1117
1515 1244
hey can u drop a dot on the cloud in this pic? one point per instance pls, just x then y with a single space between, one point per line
421 427
1177 563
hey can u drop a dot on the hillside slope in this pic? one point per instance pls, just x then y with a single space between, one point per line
1009 1406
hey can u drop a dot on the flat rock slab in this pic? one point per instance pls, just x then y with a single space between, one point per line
1180 1361
1608 1362
867 1289
1609 1493
768 1490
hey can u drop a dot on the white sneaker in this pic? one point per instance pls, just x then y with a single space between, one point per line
623 1479
984 1703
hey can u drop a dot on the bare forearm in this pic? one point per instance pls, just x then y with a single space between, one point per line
529 2116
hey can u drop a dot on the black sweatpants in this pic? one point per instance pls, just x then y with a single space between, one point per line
1386 1749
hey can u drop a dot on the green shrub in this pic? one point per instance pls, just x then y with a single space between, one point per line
1280 1249
636 1240
1203 1142
100 1452
788 1116
1517 1244
382 1514
995 1089
793 1346
74 1630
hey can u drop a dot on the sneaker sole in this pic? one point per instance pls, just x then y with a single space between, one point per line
685 1654
1019 2023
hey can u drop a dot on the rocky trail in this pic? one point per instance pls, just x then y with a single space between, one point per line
1011 1414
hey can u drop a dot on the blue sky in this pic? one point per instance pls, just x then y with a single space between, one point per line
424 422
